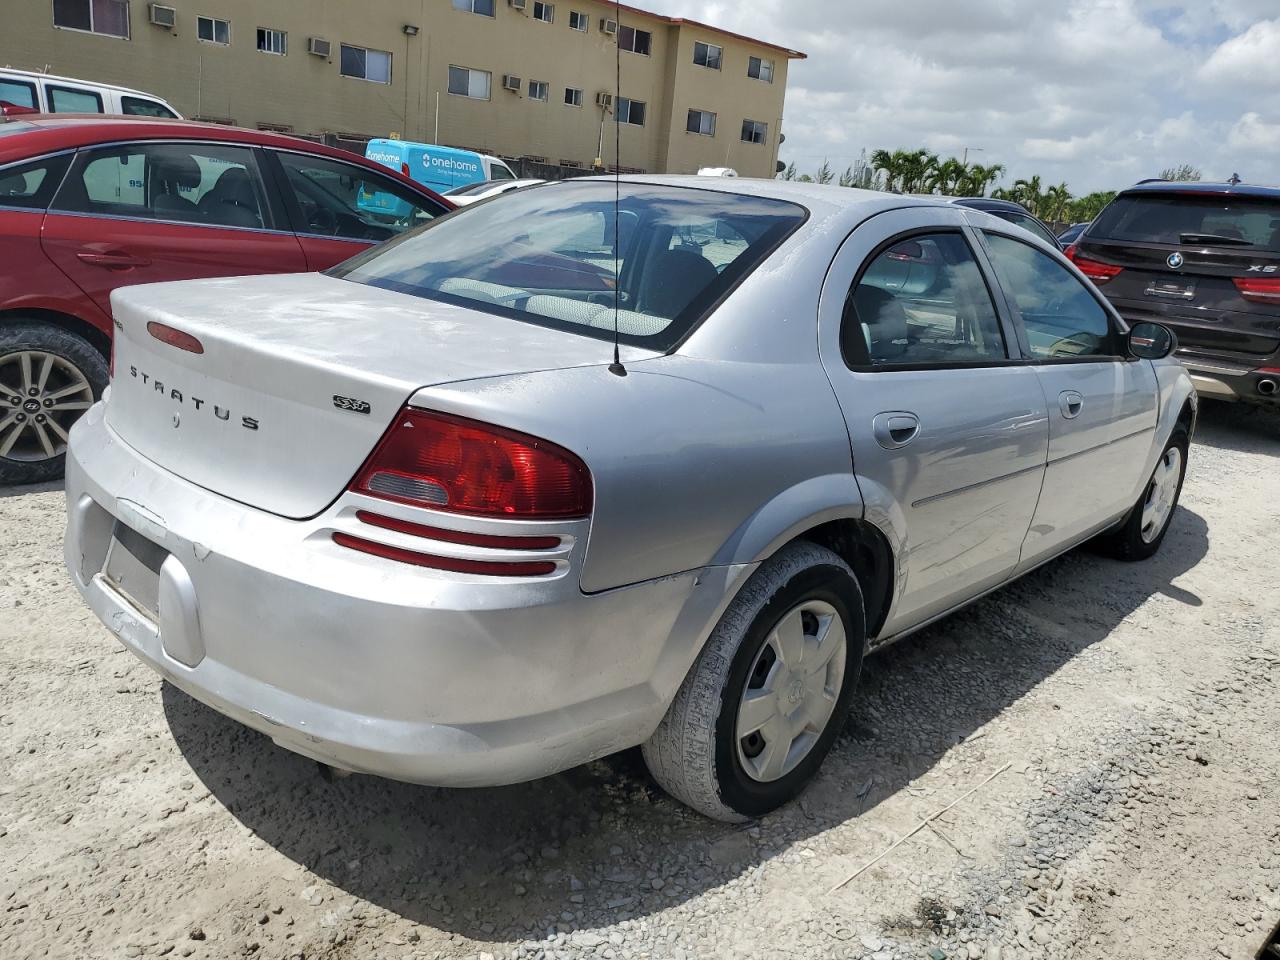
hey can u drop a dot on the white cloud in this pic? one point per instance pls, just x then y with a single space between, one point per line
1248 59
1252 133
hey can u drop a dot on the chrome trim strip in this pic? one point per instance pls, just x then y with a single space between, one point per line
173 223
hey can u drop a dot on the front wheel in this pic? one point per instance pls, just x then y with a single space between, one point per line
766 698
1144 529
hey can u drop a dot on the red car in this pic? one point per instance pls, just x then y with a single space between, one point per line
88 204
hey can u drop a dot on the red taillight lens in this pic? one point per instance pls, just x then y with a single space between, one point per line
1259 289
448 463
457 536
1096 271
489 568
174 337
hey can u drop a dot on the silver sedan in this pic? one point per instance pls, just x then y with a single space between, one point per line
415 517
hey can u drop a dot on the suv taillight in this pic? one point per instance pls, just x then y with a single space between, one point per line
1259 289
462 466
1096 271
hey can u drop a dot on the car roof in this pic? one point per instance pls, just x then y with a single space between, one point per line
1195 187
35 75
811 195
990 203
40 134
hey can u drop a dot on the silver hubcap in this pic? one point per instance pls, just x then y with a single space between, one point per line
791 690
1160 495
41 396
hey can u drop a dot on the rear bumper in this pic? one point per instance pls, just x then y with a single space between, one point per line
1218 379
370 665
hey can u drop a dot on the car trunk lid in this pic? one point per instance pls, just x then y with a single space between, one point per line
298 376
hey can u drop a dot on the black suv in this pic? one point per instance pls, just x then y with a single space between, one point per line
1203 259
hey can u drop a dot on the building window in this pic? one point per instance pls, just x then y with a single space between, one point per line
758 69
482 7
373 65
753 131
273 41
701 121
577 164
629 111
573 96
546 12
707 55
637 41
213 30
107 17
276 127
578 21
464 82
538 90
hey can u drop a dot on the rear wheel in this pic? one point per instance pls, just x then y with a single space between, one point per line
757 714
1144 529
48 378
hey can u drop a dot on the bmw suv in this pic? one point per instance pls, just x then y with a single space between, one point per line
1203 259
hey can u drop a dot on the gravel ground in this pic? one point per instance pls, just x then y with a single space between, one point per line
1136 706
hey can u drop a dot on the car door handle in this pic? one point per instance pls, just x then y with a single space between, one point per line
1070 403
112 261
895 428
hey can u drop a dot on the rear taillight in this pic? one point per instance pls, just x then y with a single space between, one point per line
447 463
1259 289
175 337
489 568
1095 270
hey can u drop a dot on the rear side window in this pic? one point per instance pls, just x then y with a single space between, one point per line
201 184
922 301
348 202
71 100
19 93
141 107
1031 224
1187 218
31 185
561 256
1062 318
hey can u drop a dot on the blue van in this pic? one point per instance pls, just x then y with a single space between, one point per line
434 166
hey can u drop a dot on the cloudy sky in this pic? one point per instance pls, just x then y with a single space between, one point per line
1097 93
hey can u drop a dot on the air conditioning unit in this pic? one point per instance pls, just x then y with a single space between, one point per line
319 47
604 99
163 16
517 4
510 83
609 27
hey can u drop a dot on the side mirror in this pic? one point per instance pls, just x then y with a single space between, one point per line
1151 341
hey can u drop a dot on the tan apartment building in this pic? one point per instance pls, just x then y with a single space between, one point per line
517 78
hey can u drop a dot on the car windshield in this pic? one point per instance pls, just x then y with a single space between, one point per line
1190 218
548 256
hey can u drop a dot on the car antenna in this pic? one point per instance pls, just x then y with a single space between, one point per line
616 368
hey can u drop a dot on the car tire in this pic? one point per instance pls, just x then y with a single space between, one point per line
698 754
75 377
1140 534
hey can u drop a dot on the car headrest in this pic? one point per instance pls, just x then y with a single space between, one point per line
235 186
673 279
885 321
179 171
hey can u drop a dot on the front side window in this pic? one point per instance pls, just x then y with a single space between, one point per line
552 257
760 69
1062 318
465 82
538 90
336 199
500 171
72 100
482 7
19 93
200 184
629 111
637 41
922 301
707 55
753 131
107 17
573 96
212 30
578 21
701 121
31 185
546 12
364 64
142 107
273 41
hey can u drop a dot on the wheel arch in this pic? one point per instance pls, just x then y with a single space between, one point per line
66 321
866 550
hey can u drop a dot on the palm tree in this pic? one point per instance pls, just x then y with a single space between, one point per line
1055 203
888 164
977 178
946 176
916 167
824 173
790 172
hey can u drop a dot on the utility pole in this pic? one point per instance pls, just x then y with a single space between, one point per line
965 159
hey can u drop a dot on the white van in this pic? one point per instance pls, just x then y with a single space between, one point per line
42 93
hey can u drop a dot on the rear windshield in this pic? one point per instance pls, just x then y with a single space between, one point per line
551 256
1183 218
